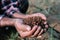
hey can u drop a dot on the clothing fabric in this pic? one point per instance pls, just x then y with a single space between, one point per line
8 7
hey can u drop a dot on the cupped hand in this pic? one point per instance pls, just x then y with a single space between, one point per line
41 30
26 31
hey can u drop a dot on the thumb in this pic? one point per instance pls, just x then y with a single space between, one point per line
28 27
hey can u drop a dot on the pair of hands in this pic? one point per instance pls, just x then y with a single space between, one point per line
26 31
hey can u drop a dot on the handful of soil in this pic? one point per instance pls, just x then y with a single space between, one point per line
36 20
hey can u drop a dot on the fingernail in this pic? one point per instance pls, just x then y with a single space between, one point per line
46 26
39 37
45 22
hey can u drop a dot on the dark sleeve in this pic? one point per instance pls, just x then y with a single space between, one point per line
8 7
9 10
0 8
1 14
24 6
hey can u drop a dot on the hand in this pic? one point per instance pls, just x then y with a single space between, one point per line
25 30
45 22
27 33
19 25
37 14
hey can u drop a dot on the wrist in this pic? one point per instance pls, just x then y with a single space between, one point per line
6 22
16 21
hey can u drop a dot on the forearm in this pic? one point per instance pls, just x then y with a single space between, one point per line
6 22
17 15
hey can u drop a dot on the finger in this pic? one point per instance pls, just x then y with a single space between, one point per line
36 33
41 32
37 14
46 26
42 16
39 36
45 29
28 27
33 30
26 34
45 22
